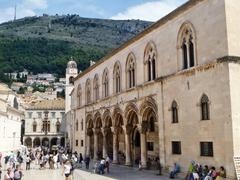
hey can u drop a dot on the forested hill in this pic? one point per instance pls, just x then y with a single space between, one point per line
44 44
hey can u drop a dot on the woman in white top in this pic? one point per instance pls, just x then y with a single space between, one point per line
67 170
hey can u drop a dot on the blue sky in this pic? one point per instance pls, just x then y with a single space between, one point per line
151 10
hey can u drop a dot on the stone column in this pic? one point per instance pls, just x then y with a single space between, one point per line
104 144
88 145
143 150
95 144
115 148
127 147
115 144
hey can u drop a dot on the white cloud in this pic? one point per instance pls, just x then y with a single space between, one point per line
150 11
24 8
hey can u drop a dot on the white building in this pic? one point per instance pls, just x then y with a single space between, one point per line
43 121
10 120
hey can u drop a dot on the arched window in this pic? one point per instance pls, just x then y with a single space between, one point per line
71 80
174 109
96 87
150 62
82 125
34 126
79 95
88 92
105 83
117 77
205 107
186 40
15 103
58 125
131 70
76 125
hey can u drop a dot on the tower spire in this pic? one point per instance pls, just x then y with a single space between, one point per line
15 11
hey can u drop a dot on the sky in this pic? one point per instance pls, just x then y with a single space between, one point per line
150 10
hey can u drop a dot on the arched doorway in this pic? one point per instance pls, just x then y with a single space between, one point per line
36 142
118 138
108 136
62 142
136 144
90 136
98 139
132 134
45 142
28 142
150 132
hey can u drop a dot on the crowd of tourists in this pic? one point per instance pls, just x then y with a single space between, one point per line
199 172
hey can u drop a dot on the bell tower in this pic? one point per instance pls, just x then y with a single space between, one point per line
71 73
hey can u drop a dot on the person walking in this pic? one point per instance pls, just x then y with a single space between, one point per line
9 175
87 161
18 173
67 170
28 162
80 160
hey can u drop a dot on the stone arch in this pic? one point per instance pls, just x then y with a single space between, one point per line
106 118
148 104
28 142
131 107
36 142
117 112
45 142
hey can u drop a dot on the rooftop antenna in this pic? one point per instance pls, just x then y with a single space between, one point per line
15 12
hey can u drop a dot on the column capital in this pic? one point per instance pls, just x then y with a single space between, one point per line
116 130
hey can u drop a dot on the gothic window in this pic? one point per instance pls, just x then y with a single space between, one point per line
76 125
150 62
152 125
105 83
117 77
130 71
88 92
58 125
82 125
174 109
15 103
34 126
187 46
96 87
205 108
79 95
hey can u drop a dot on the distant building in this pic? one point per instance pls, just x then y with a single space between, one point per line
43 120
11 116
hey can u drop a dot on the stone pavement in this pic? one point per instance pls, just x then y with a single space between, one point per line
119 172
116 172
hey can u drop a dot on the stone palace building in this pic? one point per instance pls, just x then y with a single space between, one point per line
43 121
171 92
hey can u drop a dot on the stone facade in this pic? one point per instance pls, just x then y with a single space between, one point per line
11 117
43 122
169 93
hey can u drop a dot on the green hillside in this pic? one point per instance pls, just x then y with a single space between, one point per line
44 44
